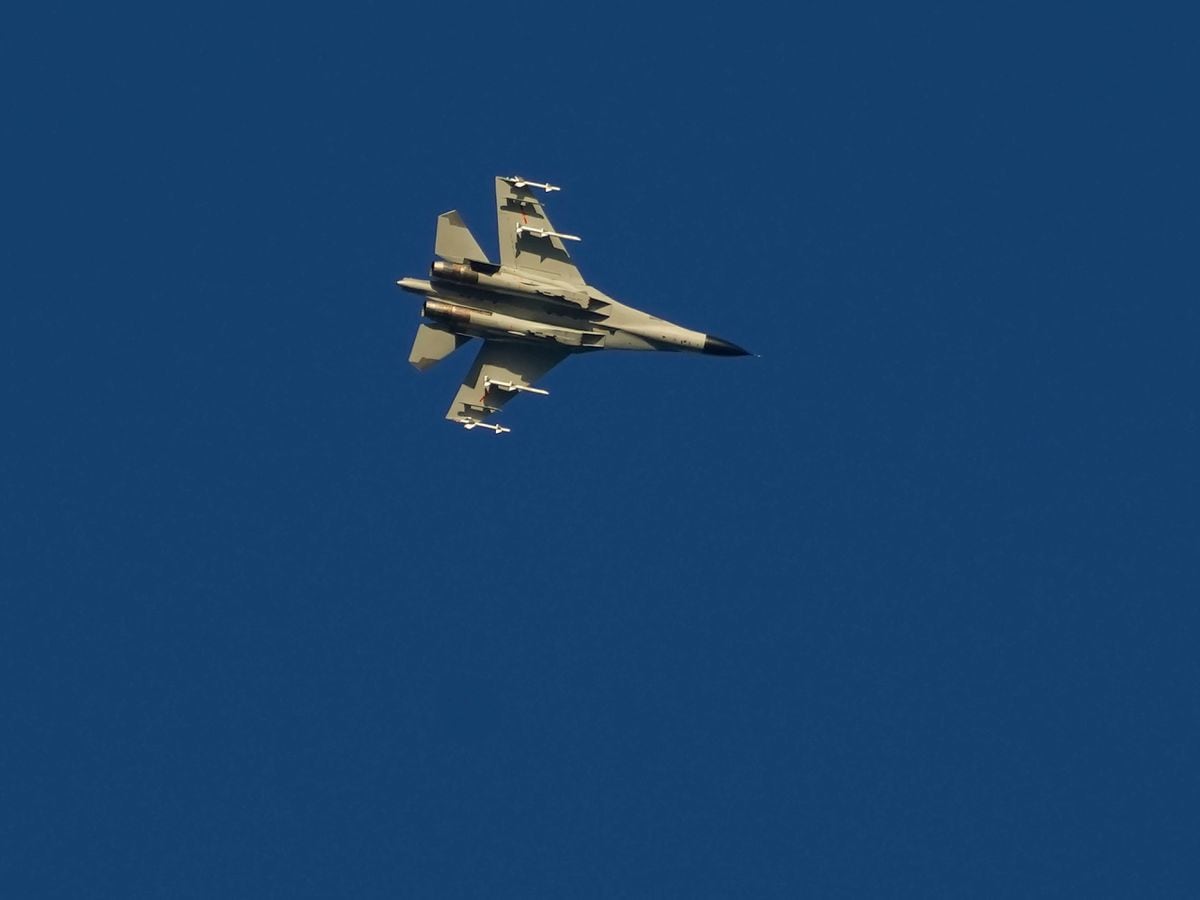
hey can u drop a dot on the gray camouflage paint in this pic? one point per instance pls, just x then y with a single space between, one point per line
532 311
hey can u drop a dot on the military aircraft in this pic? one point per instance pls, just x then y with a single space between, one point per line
532 311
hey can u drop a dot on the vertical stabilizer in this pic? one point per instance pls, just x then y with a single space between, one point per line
454 240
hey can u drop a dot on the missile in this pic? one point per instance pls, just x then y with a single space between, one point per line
518 182
468 423
511 387
543 233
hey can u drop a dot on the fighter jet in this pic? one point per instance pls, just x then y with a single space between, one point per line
532 310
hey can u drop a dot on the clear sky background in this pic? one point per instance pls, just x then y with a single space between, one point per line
904 607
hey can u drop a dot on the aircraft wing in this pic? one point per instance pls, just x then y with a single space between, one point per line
507 366
520 218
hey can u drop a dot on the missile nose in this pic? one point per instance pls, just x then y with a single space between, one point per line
719 347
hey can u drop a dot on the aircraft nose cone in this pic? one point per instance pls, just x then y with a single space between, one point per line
719 347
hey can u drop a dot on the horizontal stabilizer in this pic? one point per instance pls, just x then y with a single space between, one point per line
455 241
433 345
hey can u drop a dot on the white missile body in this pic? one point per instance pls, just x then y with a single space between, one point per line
469 423
543 233
511 387
519 182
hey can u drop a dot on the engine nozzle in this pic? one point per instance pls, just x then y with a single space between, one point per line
460 272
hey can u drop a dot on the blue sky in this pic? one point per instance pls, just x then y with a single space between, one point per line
903 607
